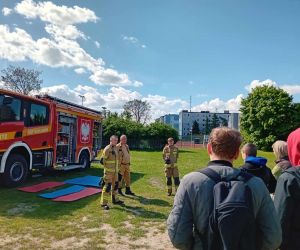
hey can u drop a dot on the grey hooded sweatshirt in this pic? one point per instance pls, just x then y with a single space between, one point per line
188 220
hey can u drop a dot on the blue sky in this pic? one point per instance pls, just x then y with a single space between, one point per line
160 51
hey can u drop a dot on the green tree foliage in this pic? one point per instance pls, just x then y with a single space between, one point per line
21 80
160 131
153 135
207 126
195 128
223 121
215 121
268 114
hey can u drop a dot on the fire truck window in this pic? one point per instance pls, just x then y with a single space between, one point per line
10 109
38 115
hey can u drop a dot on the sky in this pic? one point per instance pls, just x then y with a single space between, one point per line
163 52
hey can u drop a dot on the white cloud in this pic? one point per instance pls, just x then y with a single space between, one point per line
97 44
291 89
233 105
133 40
256 83
54 14
17 45
161 105
6 11
115 98
68 31
80 70
61 49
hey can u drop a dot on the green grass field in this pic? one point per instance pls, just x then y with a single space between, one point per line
30 222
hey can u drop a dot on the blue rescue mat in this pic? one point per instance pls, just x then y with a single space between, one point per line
89 180
63 192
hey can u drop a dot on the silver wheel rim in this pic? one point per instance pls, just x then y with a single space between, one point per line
16 171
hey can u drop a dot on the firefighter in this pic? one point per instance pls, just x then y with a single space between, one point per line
170 156
124 166
110 178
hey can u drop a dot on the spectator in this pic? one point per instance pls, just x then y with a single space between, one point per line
188 222
287 196
280 150
257 166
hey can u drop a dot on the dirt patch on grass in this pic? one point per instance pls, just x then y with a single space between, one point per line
156 182
17 242
152 238
70 243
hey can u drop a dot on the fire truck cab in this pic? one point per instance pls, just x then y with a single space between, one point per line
45 132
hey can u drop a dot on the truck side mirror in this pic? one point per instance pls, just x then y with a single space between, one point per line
7 100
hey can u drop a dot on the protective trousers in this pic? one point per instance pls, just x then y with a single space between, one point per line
124 174
110 188
171 170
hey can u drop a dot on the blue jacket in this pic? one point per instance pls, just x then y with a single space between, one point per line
188 220
257 167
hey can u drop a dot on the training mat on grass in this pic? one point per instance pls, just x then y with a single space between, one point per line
62 192
77 196
42 186
89 180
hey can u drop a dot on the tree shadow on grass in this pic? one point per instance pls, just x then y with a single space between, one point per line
149 201
141 212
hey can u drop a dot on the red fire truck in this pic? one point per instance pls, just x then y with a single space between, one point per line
45 132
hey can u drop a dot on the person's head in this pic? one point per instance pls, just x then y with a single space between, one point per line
280 149
123 139
170 141
249 149
293 143
113 140
224 144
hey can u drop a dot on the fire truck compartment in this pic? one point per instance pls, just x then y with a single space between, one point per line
66 139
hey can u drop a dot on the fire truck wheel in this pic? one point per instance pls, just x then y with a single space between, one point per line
84 160
16 170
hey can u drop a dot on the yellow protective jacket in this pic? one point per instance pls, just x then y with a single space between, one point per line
124 154
171 152
110 158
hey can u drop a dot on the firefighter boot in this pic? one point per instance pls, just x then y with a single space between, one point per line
120 191
105 207
129 192
117 201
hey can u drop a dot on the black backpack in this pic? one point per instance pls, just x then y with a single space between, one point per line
232 223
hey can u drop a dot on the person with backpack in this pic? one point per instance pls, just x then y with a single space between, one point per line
257 166
287 196
220 207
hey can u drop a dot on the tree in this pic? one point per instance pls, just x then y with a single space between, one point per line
195 128
215 121
207 126
139 110
21 80
161 132
223 121
267 115
126 115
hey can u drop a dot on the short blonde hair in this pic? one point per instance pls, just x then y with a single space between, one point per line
225 142
280 149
